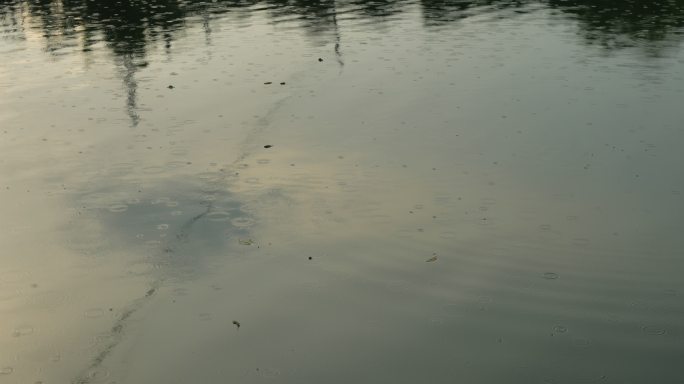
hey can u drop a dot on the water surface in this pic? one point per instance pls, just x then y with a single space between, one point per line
326 191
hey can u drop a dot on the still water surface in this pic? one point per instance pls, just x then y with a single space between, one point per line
341 191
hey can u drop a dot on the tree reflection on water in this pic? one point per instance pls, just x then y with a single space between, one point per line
129 28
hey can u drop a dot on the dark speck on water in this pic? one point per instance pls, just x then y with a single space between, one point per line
268 83
236 323
170 87
267 146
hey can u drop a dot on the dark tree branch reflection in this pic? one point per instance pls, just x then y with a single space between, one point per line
128 28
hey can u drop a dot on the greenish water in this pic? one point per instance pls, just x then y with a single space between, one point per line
438 191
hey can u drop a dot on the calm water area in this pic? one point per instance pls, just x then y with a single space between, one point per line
341 191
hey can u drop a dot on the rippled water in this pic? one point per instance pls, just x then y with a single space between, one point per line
326 191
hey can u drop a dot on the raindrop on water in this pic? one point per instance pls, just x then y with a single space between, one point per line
23 330
653 330
93 313
116 208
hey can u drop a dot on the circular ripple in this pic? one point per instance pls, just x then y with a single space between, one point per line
175 164
560 329
550 275
93 313
179 152
153 170
580 242
653 330
453 309
121 169
242 222
218 216
98 375
437 320
13 276
50 299
268 373
581 342
23 330
208 176
105 338
484 300
116 208
152 243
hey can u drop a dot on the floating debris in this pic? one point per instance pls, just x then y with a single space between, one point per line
319 59
246 241
170 87
282 83
433 258
268 83
236 323
310 258
268 146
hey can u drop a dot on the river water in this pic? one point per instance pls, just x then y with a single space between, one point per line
341 191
